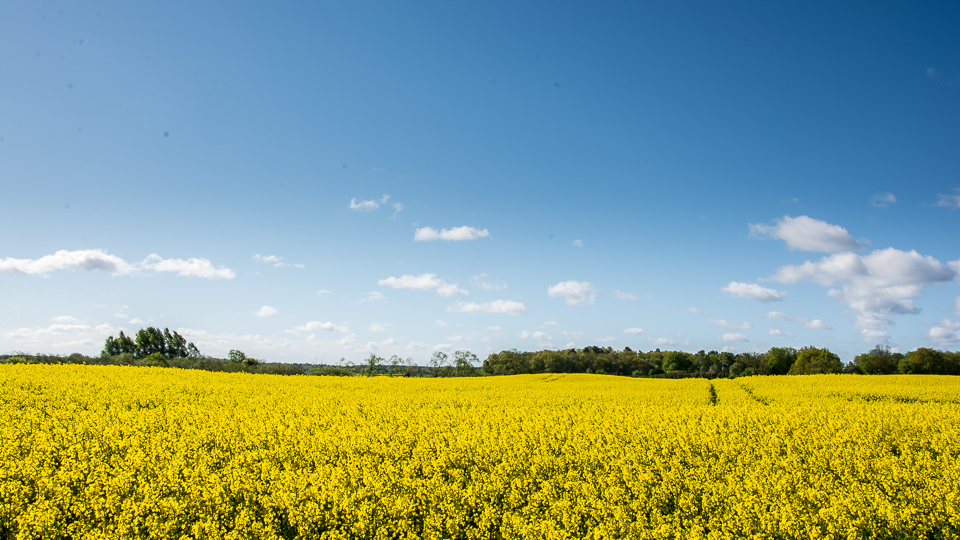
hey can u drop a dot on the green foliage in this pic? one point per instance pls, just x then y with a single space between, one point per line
331 371
780 360
236 356
813 361
879 361
929 361
151 341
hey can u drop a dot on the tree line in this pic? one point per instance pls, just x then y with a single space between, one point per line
162 348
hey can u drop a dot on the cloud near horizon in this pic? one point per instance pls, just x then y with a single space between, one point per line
508 307
886 281
98 259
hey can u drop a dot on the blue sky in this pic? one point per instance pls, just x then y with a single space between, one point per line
315 181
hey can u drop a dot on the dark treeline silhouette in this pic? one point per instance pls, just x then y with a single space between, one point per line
152 347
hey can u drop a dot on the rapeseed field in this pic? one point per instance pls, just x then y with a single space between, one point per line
118 452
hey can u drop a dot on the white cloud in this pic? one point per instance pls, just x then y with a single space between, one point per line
548 324
753 291
373 296
266 311
32 334
364 206
457 233
439 322
192 267
776 332
660 342
885 281
882 200
784 316
633 331
956 305
732 326
86 259
97 259
64 319
949 201
945 333
694 310
374 327
625 296
494 328
135 321
808 234
570 345
540 336
508 307
457 337
424 282
481 282
397 207
606 339
316 326
277 261
575 292
417 346
443 347
734 337
817 324
572 335
322 292
578 243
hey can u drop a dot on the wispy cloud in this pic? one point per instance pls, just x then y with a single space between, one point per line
266 311
317 326
949 201
575 292
817 324
754 292
375 327
807 234
276 260
732 326
625 296
508 307
882 200
426 234
734 337
539 336
633 331
424 282
783 316
776 332
578 243
373 296
481 282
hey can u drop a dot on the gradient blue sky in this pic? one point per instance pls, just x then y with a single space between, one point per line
681 175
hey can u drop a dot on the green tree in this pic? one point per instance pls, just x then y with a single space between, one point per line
879 361
373 362
923 361
678 361
236 356
463 363
811 361
780 360
439 363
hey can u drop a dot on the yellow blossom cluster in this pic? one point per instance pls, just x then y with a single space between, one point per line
121 452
